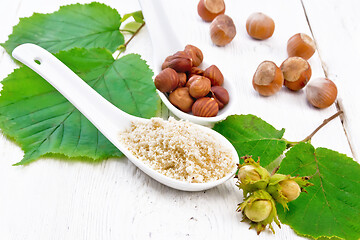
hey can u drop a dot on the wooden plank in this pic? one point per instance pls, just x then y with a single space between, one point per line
239 60
335 26
52 199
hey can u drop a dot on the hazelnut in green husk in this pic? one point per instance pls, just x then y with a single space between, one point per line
284 188
251 176
259 209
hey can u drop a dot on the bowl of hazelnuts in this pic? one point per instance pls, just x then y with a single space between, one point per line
191 92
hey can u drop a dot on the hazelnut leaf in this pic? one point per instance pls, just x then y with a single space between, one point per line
42 121
137 16
251 135
77 25
332 206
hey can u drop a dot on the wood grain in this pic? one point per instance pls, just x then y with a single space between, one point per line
53 199
337 33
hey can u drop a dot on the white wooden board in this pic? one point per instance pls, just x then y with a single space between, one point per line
52 199
336 28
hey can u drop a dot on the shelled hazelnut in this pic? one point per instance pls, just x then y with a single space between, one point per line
191 80
182 79
180 62
195 54
181 98
199 87
167 80
189 87
205 107
195 71
214 74
221 95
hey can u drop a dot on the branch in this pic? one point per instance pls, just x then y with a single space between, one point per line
127 42
122 48
326 121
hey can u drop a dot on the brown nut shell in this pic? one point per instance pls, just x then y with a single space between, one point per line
221 96
222 30
205 107
268 78
260 26
199 87
180 62
167 80
209 9
195 54
301 45
297 73
181 99
214 74
321 92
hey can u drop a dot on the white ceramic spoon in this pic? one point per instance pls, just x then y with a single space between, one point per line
106 117
166 42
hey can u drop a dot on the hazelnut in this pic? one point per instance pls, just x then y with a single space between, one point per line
301 45
258 210
180 62
192 79
199 86
205 107
260 26
268 78
167 80
195 55
196 71
214 74
248 173
321 92
182 79
209 9
181 99
290 189
222 30
297 73
221 95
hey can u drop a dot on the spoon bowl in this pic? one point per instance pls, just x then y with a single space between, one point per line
223 113
107 118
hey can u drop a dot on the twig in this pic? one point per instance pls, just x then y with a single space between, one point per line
326 121
128 41
308 138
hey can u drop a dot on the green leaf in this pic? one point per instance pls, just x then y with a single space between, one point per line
138 17
251 135
42 121
332 206
132 27
78 25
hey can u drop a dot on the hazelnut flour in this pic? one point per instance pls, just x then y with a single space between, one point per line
179 149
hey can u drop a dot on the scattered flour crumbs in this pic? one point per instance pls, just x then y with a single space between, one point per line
179 149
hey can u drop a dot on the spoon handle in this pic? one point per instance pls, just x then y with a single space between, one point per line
163 38
95 108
